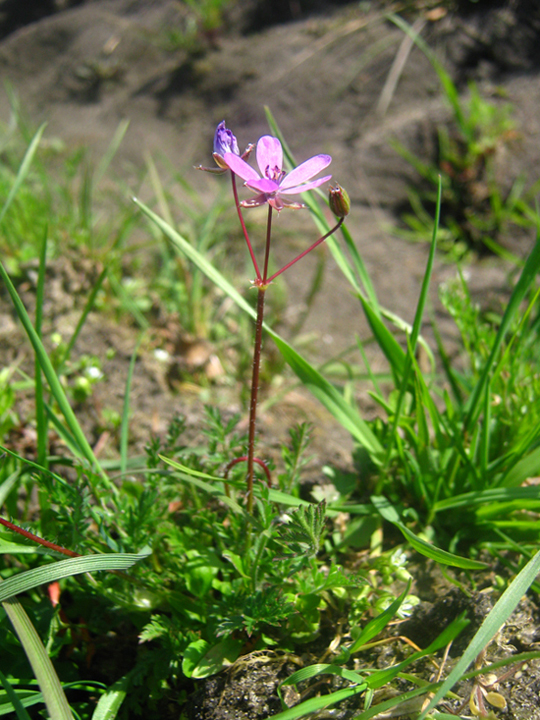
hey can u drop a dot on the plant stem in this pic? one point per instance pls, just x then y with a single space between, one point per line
37 539
243 224
305 252
261 285
267 247
261 290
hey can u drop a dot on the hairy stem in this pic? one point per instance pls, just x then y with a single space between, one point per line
267 246
261 290
37 539
243 224
254 393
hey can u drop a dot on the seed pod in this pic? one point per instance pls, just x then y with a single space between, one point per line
339 201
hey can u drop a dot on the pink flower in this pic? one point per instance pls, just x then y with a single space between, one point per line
274 182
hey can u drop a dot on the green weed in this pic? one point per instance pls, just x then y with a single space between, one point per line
477 211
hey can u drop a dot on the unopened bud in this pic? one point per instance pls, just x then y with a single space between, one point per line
224 142
338 199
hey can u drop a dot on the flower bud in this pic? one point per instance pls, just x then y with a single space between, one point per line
224 142
339 201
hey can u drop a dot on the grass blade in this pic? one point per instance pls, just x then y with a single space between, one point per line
86 311
41 416
124 430
489 628
23 170
53 694
66 568
412 341
110 152
7 486
318 703
527 277
54 383
19 708
110 702
377 624
389 513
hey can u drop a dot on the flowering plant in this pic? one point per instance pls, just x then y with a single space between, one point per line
272 185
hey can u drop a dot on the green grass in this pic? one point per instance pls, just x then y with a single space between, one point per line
478 212
195 581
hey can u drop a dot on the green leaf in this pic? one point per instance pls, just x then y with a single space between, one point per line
52 378
202 660
218 657
312 671
389 513
377 624
441 556
53 694
110 702
192 654
14 699
23 170
489 628
65 568
526 279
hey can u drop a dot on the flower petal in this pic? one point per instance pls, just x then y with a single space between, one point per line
293 204
304 187
256 201
263 185
276 202
225 141
269 153
305 171
240 167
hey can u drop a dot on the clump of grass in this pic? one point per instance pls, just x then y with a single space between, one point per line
477 212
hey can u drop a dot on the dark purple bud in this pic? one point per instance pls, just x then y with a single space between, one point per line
339 201
224 142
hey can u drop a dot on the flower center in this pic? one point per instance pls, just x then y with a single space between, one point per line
275 174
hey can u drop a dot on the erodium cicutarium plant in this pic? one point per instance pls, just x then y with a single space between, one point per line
273 186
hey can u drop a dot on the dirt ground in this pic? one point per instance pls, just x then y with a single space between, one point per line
84 67
90 65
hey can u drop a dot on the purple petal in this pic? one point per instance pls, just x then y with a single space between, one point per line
304 187
293 205
269 153
263 185
276 202
306 170
255 201
225 141
240 167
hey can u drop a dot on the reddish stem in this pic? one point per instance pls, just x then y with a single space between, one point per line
242 223
303 254
267 247
261 289
255 460
37 539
